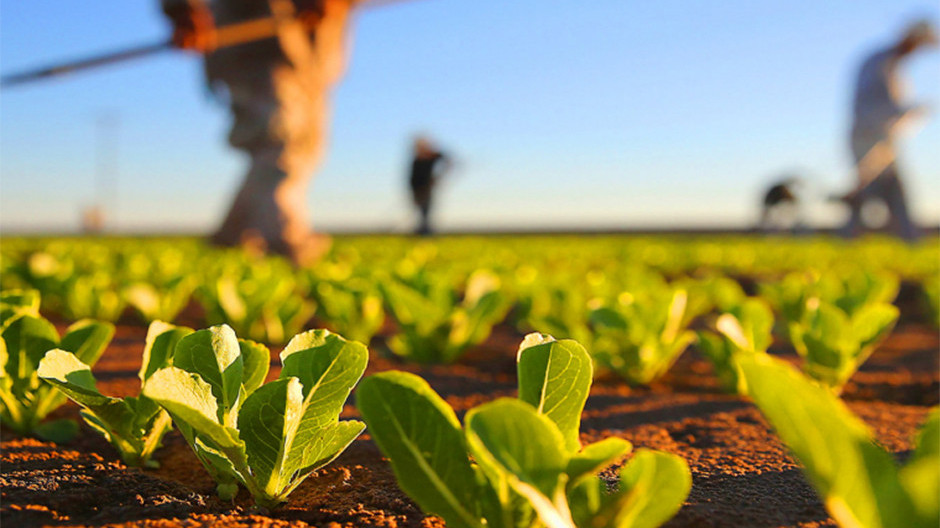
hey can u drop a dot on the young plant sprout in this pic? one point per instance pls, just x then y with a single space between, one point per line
24 398
745 329
266 436
518 462
134 425
640 339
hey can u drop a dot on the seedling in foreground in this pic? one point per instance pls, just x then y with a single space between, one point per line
859 482
25 399
268 437
133 425
528 467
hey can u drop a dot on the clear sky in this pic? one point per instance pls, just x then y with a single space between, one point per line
600 112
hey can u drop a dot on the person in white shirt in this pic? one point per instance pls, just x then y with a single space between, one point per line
880 112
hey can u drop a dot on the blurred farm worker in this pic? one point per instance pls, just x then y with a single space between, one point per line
278 91
427 167
880 114
780 209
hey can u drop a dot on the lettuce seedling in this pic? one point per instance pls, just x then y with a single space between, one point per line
161 301
931 297
745 329
518 462
557 309
94 295
858 481
261 301
849 290
24 399
133 425
640 339
14 303
434 327
269 437
352 308
834 344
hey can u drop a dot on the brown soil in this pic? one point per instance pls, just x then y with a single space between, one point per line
742 474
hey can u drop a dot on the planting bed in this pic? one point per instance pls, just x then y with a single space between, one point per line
742 475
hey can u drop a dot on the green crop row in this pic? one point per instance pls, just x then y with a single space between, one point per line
514 462
633 302
269 437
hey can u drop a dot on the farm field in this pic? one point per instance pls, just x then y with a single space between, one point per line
454 311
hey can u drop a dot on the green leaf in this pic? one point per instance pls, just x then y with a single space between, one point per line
159 347
214 354
58 431
873 322
518 446
190 399
328 367
27 339
419 432
729 327
329 443
555 378
595 457
758 319
14 303
87 340
920 476
653 486
856 479
268 422
256 359
74 378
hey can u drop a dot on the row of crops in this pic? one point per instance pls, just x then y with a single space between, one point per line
629 306
636 304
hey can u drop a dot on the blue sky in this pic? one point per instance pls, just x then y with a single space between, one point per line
588 113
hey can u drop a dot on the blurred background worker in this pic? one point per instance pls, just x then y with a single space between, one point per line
427 167
880 114
278 90
780 210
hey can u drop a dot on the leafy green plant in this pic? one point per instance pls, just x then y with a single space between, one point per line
434 328
133 425
94 295
269 437
259 300
352 308
24 399
640 338
858 481
557 309
834 344
518 462
931 294
160 301
744 329
14 303
850 290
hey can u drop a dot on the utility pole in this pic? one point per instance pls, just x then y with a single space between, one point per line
103 209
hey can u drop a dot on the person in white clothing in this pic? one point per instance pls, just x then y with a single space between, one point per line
880 112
